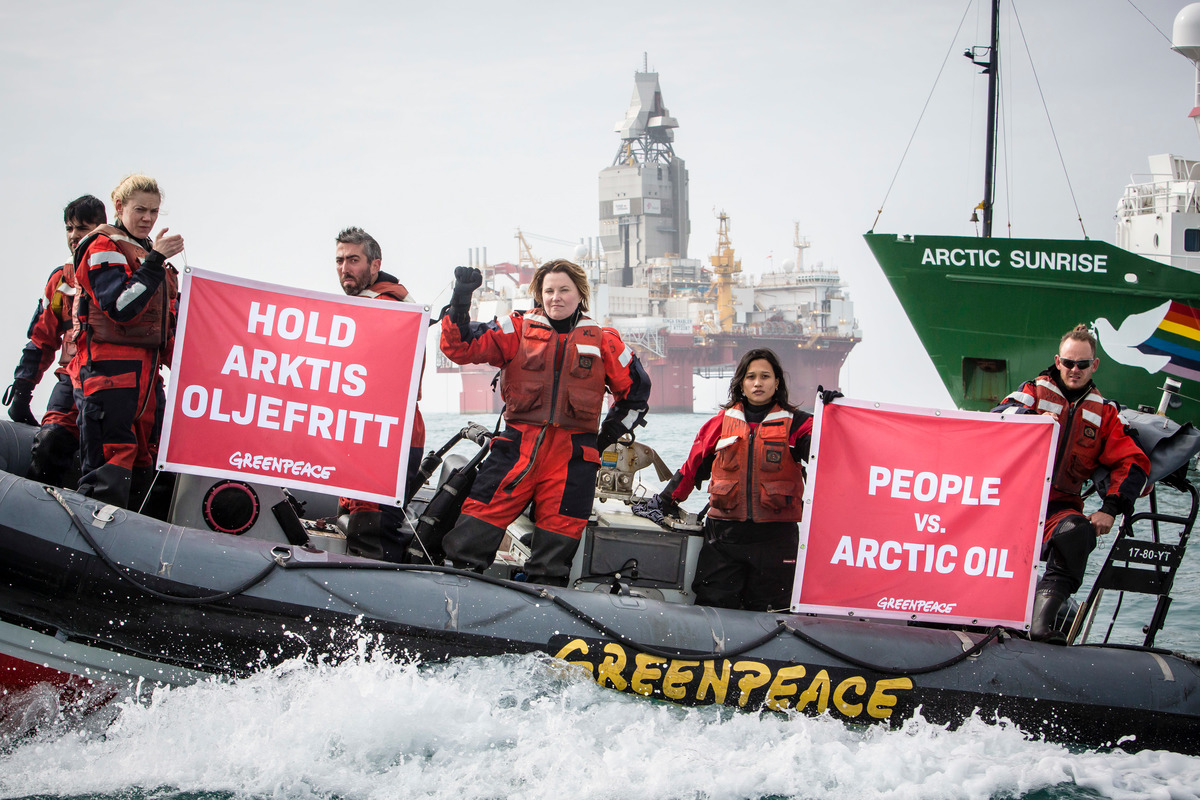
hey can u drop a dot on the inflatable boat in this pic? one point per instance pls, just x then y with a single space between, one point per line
244 576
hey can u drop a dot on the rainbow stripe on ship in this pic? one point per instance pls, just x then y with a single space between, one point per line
1178 337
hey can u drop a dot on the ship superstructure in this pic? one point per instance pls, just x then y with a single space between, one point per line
644 193
683 316
686 317
989 310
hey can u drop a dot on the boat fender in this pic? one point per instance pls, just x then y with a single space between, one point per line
230 507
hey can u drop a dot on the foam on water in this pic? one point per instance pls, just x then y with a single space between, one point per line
532 727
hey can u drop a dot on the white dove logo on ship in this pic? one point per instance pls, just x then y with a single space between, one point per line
1164 339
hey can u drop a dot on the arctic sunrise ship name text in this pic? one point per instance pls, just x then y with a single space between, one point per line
1017 259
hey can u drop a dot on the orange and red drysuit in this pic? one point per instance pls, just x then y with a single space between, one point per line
553 376
1090 434
50 336
374 530
752 459
125 311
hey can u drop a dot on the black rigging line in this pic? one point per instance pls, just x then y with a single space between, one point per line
924 108
1152 25
1049 121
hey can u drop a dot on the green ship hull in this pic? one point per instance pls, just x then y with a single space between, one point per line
990 312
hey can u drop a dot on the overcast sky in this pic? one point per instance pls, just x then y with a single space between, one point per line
440 127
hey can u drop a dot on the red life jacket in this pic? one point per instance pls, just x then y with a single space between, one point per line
754 476
395 291
1079 440
535 392
151 327
62 302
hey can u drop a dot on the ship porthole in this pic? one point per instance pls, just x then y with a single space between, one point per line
1131 277
230 507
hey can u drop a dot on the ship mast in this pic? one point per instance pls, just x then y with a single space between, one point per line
801 245
991 68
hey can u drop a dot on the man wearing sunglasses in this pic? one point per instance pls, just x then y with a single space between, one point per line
1090 434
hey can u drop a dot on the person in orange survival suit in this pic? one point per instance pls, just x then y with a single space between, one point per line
50 335
555 364
125 327
1090 433
751 454
374 531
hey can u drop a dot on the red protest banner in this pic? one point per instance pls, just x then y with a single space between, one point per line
292 387
923 515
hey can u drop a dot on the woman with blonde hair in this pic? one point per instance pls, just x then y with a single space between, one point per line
125 323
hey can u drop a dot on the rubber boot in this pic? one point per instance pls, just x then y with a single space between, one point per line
394 536
53 456
550 562
364 534
1047 601
472 543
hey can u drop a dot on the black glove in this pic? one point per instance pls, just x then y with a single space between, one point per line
466 281
610 432
17 397
828 395
657 508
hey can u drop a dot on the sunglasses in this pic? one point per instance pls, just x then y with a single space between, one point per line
1082 363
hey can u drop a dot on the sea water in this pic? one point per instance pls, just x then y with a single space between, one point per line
529 727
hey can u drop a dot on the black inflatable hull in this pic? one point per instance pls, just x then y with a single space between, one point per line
62 605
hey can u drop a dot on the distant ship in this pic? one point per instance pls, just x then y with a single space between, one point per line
682 316
989 311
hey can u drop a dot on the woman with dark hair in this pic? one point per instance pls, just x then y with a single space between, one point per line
751 454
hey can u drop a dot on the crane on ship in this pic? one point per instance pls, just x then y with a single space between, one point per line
726 269
525 257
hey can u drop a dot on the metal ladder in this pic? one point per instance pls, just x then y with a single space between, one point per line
1141 565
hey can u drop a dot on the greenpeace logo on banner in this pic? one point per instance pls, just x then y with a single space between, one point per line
911 512
304 389
908 604
282 466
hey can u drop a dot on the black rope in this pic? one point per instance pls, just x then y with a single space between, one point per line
544 594
121 571
663 652
978 647
540 593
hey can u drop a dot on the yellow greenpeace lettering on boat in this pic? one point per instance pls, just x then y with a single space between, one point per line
745 683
